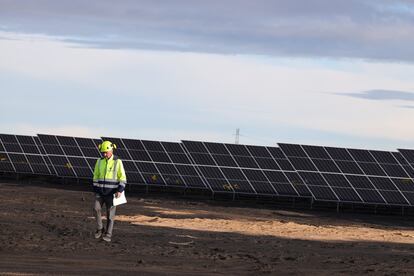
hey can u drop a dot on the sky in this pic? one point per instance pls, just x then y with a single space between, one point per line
318 72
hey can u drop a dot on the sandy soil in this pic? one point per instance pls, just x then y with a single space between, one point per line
46 230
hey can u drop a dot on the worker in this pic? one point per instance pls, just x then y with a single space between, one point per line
109 180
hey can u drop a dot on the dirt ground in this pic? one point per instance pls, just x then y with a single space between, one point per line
46 230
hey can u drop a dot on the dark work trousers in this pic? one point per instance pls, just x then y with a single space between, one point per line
110 212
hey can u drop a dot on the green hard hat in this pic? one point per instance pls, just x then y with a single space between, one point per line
106 146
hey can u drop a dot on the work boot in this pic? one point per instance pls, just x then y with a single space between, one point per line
106 238
99 233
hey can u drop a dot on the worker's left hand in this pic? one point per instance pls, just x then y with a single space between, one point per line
117 194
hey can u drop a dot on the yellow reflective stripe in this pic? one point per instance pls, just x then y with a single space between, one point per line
114 170
106 180
105 185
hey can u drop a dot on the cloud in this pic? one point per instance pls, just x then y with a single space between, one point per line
407 106
179 95
368 29
381 95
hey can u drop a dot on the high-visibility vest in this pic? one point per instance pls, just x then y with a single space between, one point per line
109 176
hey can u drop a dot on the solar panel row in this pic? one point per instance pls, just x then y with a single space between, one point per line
353 175
290 170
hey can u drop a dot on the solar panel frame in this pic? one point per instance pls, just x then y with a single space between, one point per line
44 155
288 170
361 155
194 146
244 169
317 151
5 163
339 154
303 164
370 168
9 138
259 152
267 163
179 158
216 148
238 150
26 145
293 150
323 193
404 184
410 197
262 187
12 148
158 154
371 196
176 151
347 194
389 164
394 198
224 160
38 164
208 167
276 153
30 149
71 153
86 143
173 149
245 161
374 168
326 165
349 167
336 180
384 157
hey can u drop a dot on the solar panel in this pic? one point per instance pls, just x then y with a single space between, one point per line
260 152
394 197
245 169
302 164
348 167
245 161
407 155
238 150
404 184
71 156
339 153
345 172
158 163
38 164
216 148
20 163
361 155
5 163
371 196
24 155
325 165
316 152
371 169
336 180
347 194
323 193
267 163
322 173
225 160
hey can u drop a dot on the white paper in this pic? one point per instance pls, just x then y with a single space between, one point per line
120 200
